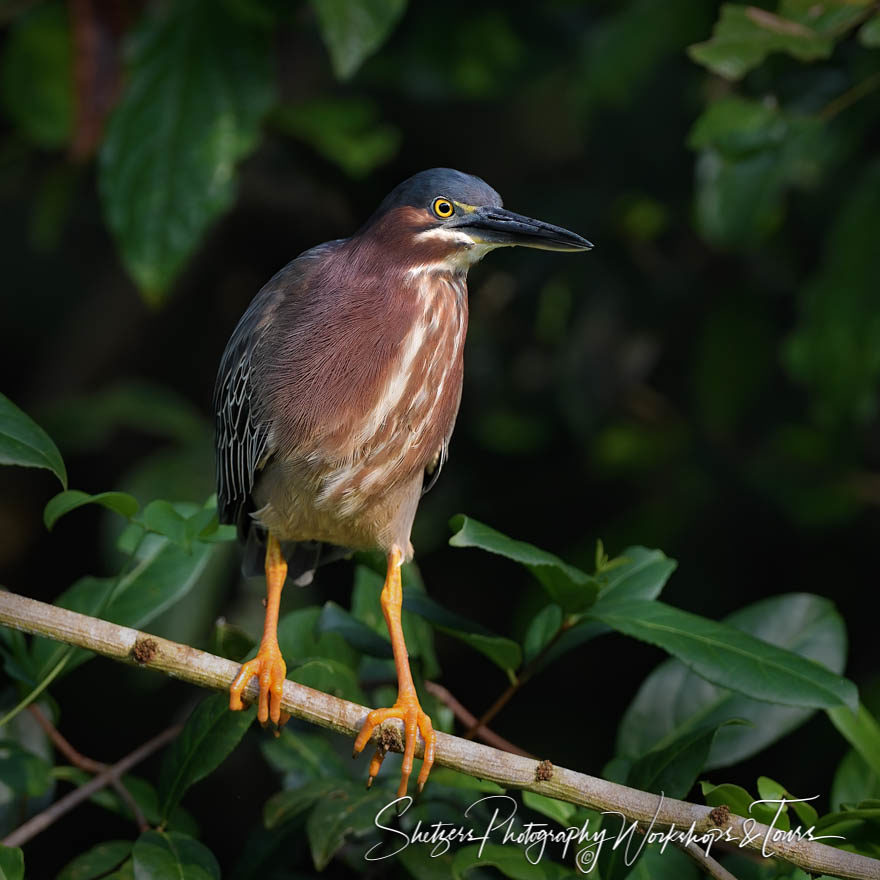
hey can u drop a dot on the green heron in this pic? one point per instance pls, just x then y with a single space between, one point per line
336 398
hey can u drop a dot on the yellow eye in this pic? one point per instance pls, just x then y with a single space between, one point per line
443 208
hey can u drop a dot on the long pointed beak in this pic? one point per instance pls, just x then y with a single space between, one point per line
501 227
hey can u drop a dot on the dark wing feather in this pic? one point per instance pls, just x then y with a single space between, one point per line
435 465
241 437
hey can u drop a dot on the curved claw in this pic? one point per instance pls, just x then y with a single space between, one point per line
415 721
271 670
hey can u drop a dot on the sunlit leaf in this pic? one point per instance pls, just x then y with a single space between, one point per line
572 588
200 82
729 657
354 29
160 855
119 502
23 442
211 732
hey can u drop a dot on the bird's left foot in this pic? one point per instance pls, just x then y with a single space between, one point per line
271 670
415 721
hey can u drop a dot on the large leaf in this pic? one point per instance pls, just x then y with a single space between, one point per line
11 863
502 651
641 574
120 502
160 855
304 757
211 732
330 677
162 575
97 861
301 640
862 731
23 442
729 657
36 79
334 618
354 29
570 587
347 809
854 781
673 699
200 82
27 774
288 805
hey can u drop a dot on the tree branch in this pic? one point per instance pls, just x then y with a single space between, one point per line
508 770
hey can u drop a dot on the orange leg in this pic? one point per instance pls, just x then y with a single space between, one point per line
268 665
407 707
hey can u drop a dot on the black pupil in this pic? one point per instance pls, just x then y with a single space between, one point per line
444 208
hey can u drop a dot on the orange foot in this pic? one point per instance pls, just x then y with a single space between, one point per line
415 721
271 670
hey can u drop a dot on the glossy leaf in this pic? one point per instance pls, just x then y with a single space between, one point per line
211 732
742 803
570 587
353 30
119 502
160 855
200 83
673 699
36 78
854 781
729 657
861 730
23 442
673 769
11 863
348 809
771 790
97 861
559 811
544 626
638 573
502 651
334 618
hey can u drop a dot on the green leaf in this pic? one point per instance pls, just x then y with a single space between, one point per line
11 863
570 587
854 781
559 811
673 769
160 855
334 618
509 860
638 573
543 628
745 35
287 805
330 677
161 576
345 810
503 652
454 779
120 502
98 861
23 442
861 730
729 657
201 81
232 641
161 517
304 757
673 699
27 774
211 732
869 33
36 79
301 641
771 790
353 30
346 131
741 803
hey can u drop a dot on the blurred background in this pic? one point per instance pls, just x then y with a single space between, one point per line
704 382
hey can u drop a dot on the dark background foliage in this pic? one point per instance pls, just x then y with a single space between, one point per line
705 381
